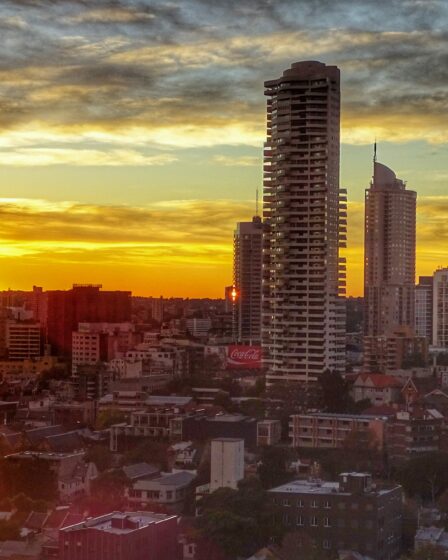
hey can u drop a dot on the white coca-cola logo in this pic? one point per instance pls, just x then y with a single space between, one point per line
251 354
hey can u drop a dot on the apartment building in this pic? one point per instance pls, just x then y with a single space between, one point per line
352 513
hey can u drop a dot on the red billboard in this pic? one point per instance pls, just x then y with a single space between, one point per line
244 357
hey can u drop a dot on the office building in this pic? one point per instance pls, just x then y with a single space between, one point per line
389 253
349 514
227 463
423 307
247 259
303 329
440 309
138 535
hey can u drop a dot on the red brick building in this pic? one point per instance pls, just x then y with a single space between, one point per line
63 310
140 535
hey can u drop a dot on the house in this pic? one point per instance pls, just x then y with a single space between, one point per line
434 536
378 388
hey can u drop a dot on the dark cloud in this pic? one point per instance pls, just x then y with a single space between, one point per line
117 62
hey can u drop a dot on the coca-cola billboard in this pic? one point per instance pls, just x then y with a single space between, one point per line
243 357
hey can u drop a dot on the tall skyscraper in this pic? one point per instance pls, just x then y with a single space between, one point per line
305 217
423 307
247 244
389 253
440 309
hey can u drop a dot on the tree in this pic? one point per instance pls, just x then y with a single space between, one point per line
100 455
335 392
9 531
238 521
32 477
272 469
106 418
425 476
107 493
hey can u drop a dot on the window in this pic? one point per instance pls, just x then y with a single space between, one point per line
300 503
327 505
327 522
286 502
300 521
313 521
326 545
314 504
286 519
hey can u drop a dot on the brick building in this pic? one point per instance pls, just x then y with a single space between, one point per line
328 430
121 536
350 514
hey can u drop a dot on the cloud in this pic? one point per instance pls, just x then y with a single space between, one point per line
238 161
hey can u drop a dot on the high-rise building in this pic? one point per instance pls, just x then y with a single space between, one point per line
227 463
440 309
389 262
423 307
389 253
303 327
247 259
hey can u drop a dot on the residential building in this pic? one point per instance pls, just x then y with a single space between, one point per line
389 256
73 413
349 514
199 327
23 340
247 259
169 490
399 349
303 331
73 475
435 537
269 432
227 463
138 535
423 307
378 388
413 432
440 309
332 430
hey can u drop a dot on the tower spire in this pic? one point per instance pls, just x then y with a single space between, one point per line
256 202
374 152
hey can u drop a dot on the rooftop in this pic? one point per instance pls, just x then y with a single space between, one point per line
120 522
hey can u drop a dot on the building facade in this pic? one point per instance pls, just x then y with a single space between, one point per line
440 308
423 307
121 536
227 463
247 259
389 255
23 340
303 328
350 514
332 430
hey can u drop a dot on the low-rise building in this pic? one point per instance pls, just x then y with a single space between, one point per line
349 514
227 463
121 536
269 432
331 430
413 432
378 388
431 536
169 490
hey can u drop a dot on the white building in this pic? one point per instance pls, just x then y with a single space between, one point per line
227 463
199 327
303 329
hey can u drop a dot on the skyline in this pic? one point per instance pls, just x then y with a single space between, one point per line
124 127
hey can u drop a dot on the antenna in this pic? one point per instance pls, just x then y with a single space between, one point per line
256 202
374 152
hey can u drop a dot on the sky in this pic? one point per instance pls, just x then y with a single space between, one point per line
131 131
